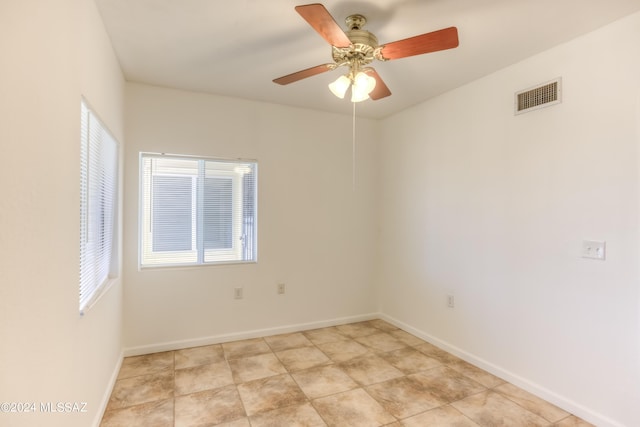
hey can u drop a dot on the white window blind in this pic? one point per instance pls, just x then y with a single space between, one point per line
98 205
197 210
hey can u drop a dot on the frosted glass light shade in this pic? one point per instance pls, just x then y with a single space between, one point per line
366 81
340 86
358 94
363 84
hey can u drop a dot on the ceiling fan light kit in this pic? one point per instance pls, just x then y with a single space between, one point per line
357 48
361 85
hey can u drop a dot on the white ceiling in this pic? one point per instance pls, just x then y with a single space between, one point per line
237 47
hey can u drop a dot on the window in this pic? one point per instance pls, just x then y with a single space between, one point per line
197 211
98 206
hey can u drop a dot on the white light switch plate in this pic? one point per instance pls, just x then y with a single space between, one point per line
593 249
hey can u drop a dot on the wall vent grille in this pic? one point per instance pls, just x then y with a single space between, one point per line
544 95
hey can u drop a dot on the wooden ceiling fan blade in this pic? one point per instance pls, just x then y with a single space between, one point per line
381 90
446 38
321 20
303 74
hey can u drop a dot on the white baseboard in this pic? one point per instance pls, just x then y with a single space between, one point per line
530 386
234 336
107 394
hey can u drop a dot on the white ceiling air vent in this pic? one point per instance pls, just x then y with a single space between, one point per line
544 95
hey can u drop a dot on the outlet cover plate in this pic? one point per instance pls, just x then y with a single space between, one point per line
451 301
594 249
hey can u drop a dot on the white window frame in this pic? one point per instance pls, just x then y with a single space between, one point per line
233 169
99 177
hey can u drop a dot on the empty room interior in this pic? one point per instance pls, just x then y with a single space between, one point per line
439 222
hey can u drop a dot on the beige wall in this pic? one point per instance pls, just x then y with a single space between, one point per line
316 233
493 208
52 54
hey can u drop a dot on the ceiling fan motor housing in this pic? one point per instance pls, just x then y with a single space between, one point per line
363 44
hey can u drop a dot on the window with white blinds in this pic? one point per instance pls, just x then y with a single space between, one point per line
98 206
197 210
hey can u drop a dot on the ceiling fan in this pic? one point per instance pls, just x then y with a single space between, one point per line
356 48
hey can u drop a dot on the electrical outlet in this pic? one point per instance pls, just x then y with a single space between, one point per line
593 249
281 288
237 293
451 301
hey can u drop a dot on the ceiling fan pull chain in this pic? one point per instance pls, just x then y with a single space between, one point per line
353 149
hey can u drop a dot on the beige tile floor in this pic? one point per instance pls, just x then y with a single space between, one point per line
359 374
